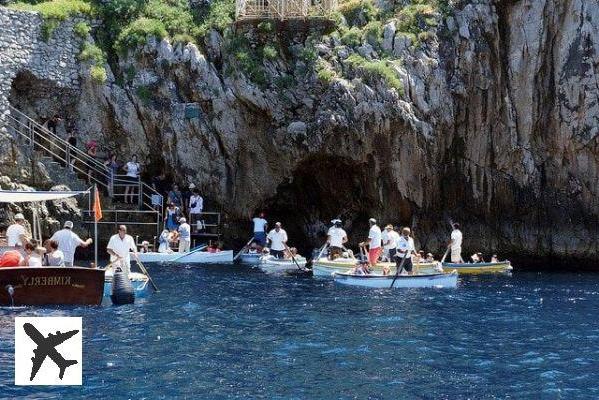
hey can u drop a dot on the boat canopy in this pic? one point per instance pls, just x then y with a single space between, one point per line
18 196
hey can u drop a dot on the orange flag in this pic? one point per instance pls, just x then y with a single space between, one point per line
97 206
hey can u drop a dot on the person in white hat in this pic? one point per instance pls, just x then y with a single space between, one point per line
374 242
16 233
184 235
336 238
68 241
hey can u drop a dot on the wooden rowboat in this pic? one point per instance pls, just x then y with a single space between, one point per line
324 267
273 265
192 257
51 286
480 268
439 280
139 281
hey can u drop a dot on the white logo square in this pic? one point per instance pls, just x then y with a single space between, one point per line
48 351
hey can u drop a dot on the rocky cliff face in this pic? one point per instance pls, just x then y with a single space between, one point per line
494 124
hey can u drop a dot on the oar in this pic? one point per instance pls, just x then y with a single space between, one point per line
200 248
145 271
243 248
324 246
400 268
445 255
293 258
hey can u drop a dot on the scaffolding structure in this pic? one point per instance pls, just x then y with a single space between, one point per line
283 9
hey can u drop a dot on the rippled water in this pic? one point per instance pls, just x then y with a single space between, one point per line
229 332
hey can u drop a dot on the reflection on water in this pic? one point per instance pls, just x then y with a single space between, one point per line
231 332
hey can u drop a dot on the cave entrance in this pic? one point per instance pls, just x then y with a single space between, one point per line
322 188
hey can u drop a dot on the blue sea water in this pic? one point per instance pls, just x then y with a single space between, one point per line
224 332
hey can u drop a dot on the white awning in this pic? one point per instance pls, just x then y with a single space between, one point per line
17 196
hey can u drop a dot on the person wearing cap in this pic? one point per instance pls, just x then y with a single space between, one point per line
430 258
260 226
184 235
277 239
494 258
390 238
119 247
68 241
196 204
374 242
145 247
455 243
405 249
336 238
16 232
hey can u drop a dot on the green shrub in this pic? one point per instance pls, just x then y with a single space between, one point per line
144 93
270 53
82 29
174 14
183 38
91 52
373 33
138 32
48 27
351 37
266 27
326 75
98 74
376 69
358 12
308 54
416 17
220 15
284 82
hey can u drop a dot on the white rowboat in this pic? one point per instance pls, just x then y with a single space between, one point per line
273 265
250 258
442 280
192 257
324 267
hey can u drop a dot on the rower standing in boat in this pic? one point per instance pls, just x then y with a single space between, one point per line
184 236
390 238
260 225
456 244
277 239
119 247
336 238
68 241
405 248
374 242
16 231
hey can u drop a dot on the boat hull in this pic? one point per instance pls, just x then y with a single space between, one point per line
140 283
325 268
35 286
250 258
443 280
272 265
480 268
198 257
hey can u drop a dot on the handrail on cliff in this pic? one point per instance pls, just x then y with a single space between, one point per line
41 138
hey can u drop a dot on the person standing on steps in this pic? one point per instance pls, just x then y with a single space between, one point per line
175 196
92 152
68 241
171 217
455 244
72 141
260 226
112 166
196 206
277 239
133 169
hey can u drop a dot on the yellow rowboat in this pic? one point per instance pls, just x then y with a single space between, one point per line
500 267
324 267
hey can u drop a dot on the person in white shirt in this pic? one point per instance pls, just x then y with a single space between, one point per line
405 249
133 169
53 257
196 205
260 226
68 241
374 242
277 239
16 231
119 248
390 238
184 235
336 238
164 242
494 258
456 244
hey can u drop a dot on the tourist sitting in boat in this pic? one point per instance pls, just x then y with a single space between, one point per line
164 241
119 247
254 248
494 258
291 253
171 218
145 247
11 258
16 231
277 240
362 268
33 254
54 257
429 258
184 231
214 247
477 258
336 238
68 241
405 249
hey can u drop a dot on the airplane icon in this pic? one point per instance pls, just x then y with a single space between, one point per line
46 348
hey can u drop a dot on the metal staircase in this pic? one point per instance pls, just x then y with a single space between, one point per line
66 164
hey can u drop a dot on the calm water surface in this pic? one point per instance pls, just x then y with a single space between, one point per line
226 332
